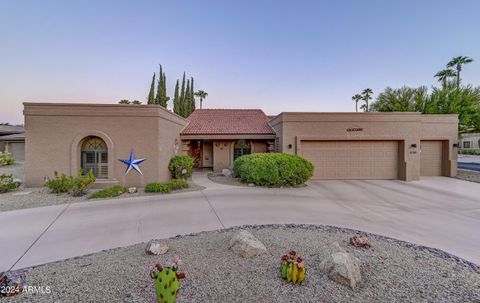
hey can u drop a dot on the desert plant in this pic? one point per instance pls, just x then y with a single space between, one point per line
109 192
81 181
292 268
6 159
167 281
180 167
60 183
273 169
7 183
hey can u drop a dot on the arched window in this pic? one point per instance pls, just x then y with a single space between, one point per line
94 157
241 147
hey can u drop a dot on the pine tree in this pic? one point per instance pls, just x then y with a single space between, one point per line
151 94
161 97
165 98
176 100
186 104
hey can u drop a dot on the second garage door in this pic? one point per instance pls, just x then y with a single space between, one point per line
431 158
352 159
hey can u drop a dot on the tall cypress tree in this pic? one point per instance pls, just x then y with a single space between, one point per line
192 98
182 97
151 94
186 104
158 96
176 100
165 98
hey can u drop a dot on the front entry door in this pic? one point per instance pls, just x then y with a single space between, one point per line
207 154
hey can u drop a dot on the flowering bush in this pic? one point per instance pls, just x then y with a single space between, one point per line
6 159
7 183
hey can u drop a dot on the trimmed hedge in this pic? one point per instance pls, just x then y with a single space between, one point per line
273 169
180 167
109 192
166 187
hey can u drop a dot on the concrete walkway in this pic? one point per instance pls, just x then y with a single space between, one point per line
437 212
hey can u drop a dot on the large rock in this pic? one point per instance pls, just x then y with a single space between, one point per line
157 248
246 245
226 172
341 267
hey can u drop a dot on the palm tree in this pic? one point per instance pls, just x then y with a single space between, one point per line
367 95
444 74
202 95
457 62
356 98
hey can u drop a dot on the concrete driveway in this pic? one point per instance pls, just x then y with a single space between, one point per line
438 212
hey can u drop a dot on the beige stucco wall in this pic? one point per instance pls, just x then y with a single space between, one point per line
407 128
55 131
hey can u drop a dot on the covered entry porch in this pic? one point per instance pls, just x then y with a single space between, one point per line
219 154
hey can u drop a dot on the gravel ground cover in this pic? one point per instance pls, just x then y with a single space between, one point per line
468 175
38 197
392 271
222 179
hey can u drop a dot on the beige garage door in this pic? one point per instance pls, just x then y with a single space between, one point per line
431 158
352 159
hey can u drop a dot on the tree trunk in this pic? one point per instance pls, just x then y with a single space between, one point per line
356 106
201 101
459 69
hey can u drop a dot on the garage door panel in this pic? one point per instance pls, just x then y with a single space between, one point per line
431 158
352 159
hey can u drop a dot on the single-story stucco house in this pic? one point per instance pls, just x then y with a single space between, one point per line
12 140
66 137
470 141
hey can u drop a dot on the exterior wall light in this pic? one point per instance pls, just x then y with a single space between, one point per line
455 144
289 145
413 145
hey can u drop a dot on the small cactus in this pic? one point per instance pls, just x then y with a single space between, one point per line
167 281
292 268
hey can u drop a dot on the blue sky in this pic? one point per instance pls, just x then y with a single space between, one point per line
274 55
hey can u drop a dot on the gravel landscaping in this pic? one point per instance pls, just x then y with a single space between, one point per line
40 196
392 271
468 175
218 177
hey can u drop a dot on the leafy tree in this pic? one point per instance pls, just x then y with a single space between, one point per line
404 99
203 95
366 96
444 75
151 94
457 62
124 101
356 98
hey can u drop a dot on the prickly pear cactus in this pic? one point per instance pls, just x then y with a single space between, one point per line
167 282
292 268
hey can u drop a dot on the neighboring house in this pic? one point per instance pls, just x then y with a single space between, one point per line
12 140
470 141
67 137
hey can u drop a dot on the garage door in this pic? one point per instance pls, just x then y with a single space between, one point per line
17 149
352 159
431 158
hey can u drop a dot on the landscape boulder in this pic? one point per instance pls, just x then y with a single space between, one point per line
246 245
157 248
132 190
341 267
226 172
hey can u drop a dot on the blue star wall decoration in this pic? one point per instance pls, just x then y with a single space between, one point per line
132 163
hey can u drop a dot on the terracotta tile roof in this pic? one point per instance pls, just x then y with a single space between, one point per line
227 122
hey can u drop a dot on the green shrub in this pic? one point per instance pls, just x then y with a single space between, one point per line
7 183
81 181
166 187
6 159
178 184
158 188
109 192
60 183
469 152
180 167
273 169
